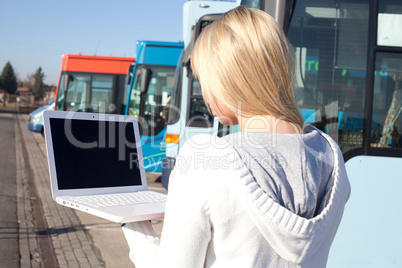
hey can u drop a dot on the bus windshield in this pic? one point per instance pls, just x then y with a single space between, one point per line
86 92
330 60
151 105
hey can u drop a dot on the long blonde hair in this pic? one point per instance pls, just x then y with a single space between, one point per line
244 61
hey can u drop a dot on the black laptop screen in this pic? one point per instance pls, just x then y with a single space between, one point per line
93 154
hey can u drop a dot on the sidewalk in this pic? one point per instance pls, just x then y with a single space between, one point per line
52 235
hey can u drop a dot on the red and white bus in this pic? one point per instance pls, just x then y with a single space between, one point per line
93 84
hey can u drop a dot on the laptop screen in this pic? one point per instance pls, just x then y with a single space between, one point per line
94 154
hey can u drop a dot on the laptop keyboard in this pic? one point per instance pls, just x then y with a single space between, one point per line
112 200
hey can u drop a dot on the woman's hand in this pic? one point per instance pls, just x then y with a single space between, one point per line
141 236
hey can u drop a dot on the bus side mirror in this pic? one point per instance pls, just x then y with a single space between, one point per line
145 76
130 73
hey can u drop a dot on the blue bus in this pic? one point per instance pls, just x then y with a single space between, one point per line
150 81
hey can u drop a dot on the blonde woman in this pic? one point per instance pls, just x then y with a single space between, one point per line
269 196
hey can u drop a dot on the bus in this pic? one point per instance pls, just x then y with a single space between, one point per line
348 61
187 114
92 84
149 95
349 67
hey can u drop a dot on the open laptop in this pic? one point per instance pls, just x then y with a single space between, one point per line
96 166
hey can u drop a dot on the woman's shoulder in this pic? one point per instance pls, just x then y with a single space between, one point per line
206 154
206 144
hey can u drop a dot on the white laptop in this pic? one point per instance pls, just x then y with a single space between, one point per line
96 166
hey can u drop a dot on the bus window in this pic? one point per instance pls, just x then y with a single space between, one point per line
174 105
386 128
151 104
60 105
135 98
198 115
387 101
389 23
78 92
224 130
330 40
102 93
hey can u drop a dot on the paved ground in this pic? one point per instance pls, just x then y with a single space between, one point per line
51 235
8 200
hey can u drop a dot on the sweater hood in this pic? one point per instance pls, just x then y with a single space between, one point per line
292 237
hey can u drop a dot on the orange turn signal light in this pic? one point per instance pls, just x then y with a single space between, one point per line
172 138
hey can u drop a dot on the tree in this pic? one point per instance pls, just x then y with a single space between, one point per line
39 87
8 79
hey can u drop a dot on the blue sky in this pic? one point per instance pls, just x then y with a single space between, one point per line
36 33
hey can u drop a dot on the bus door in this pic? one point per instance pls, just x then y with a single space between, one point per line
149 101
188 115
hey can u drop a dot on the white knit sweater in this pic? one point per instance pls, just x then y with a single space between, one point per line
218 216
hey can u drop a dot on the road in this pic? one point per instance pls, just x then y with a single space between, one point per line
9 253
